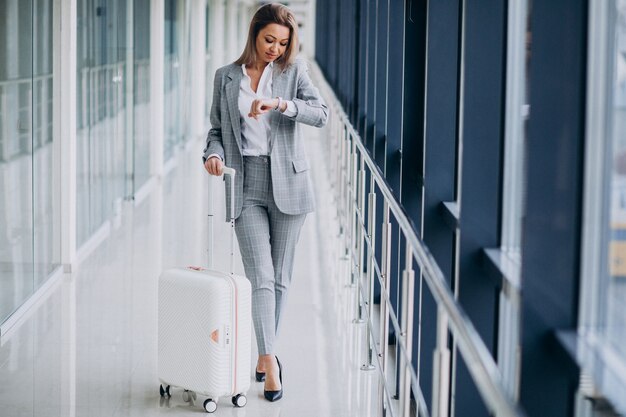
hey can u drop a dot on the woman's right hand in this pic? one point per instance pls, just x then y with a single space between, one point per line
214 166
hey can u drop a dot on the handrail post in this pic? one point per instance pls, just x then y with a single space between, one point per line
337 128
408 294
371 254
342 183
347 232
360 233
384 307
441 361
353 207
337 162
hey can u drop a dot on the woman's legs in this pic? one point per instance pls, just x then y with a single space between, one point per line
267 240
284 234
253 235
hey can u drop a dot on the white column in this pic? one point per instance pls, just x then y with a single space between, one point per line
129 91
218 29
232 46
244 23
309 25
64 122
197 68
157 71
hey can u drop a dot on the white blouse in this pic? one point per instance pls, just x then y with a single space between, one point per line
255 133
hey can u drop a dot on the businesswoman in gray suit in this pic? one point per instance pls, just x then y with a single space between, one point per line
258 103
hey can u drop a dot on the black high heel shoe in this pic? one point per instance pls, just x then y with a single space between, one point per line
260 376
276 395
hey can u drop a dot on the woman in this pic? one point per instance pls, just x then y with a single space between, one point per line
258 103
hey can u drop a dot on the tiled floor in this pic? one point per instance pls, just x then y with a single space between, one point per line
89 349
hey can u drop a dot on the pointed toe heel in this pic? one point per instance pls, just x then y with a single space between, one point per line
276 395
272 396
260 376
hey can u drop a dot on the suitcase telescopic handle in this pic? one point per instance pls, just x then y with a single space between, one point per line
231 172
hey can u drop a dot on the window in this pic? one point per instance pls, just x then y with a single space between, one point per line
517 114
602 322
29 218
616 118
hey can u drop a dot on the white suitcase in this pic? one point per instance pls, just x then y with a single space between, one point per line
205 329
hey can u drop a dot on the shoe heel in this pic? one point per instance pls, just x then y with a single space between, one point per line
259 376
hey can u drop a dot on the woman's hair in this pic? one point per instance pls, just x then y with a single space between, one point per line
271 13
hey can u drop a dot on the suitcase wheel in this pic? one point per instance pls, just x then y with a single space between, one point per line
210 406
239 400
164 391
189 396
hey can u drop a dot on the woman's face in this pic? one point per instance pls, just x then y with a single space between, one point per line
271 42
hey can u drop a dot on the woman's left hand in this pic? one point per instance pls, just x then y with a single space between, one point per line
262 106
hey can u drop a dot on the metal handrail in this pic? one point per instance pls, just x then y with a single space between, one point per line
479 361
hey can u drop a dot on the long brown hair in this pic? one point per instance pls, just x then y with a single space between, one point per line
266 14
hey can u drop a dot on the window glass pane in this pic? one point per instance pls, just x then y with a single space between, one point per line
16 155
174 14
141 93
517 115
616 313
101 119
46 245
208 68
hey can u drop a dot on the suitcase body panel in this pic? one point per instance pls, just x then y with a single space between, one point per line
205 331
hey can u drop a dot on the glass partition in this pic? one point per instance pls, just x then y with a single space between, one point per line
101 120
141 92
28 246
173 100
208 68
45 245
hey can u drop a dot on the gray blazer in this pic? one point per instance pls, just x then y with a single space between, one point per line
293 192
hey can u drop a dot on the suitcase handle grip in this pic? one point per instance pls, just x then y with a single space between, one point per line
228 171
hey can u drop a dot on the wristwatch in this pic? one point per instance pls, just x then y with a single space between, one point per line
280 101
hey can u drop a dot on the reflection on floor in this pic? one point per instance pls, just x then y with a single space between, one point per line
90 348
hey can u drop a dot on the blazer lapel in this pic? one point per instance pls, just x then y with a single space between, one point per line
232 98
279 87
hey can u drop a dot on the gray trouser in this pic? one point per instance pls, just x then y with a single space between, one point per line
267 240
